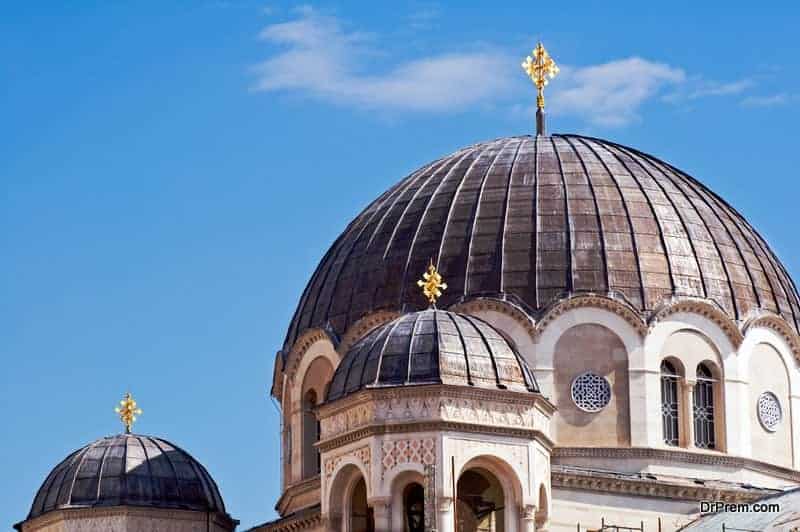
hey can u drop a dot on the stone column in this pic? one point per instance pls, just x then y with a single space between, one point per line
382 512
528 513
686 426
445 519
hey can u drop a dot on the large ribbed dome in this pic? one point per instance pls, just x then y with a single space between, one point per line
128 469
432 347
532 219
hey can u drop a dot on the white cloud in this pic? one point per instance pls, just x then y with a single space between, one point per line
314 54
611 94
320 58
772 100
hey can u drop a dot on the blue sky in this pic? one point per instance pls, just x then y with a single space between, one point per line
171 173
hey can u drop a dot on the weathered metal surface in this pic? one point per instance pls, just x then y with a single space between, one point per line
533 218
128 469
432 346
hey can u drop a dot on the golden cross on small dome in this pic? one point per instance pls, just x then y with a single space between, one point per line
432 284
541 69
128 410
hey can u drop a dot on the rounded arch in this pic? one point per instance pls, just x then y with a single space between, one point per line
759 334
340 489
363 326
542 508
506 477
402 478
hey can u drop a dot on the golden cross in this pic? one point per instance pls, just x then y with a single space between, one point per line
432 284
128 411
540 68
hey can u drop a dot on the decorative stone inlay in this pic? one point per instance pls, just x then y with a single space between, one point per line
417 451
348 420
590 392
363 454
770 413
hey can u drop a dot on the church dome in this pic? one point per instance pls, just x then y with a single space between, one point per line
534 219
128 469
432 347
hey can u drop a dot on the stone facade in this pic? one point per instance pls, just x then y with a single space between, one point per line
128 519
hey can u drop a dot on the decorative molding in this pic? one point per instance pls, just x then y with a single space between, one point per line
473 306
776 323
646 487
63 515
306 519
361 327
301 345
709 458
703 307
496 409
616 306
362 454
414 450
296 490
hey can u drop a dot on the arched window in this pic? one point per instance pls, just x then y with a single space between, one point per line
669 403
310 436
414 507
703 408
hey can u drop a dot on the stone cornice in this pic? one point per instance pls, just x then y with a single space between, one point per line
295 490
76 513
647 487
304 519
677 455
434 426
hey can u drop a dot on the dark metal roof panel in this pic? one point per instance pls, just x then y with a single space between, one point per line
533 218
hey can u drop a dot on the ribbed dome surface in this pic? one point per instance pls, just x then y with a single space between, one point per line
428 347
128 469
531 219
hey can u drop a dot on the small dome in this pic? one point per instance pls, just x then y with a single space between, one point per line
432 347
128 469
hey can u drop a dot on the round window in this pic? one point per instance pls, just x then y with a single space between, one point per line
770 413
590 392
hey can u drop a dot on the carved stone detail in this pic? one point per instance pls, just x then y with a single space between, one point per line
701 307
415 451
363 454
616 306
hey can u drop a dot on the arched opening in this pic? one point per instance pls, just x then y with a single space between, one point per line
670 403
311 459
703 409
543 510
414 508
361 516
480 502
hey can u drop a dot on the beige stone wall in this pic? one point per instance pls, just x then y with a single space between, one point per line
591 347
768 374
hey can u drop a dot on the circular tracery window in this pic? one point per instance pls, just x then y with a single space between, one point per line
769 411
590 392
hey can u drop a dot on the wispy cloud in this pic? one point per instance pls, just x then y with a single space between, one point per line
772 100
321 58
612 94
317 55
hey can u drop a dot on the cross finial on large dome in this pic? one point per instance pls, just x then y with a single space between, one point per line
541 69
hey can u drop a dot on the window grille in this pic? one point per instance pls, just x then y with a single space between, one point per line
770 413
669 403
590 392
703 409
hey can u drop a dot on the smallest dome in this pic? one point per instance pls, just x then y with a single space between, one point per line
432 347
129 470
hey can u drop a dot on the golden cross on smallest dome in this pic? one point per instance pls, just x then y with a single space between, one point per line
540 68
432 284
128 411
